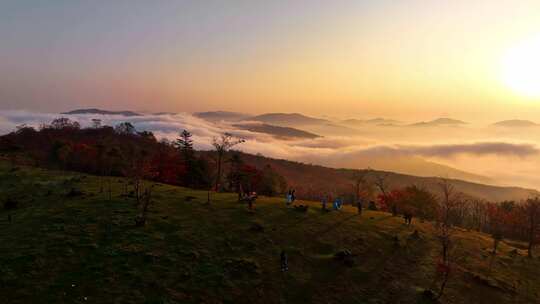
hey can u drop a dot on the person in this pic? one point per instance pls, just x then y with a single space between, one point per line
324 203
337 204
408 218
293 196
251 199
289 197
284 262
359 206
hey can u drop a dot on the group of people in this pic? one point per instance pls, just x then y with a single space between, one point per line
291 197
338 203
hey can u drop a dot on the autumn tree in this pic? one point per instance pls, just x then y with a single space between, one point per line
531 212
271 183
361 187
235 175
381 183
448 202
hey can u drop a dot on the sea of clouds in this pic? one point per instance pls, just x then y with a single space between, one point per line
506 160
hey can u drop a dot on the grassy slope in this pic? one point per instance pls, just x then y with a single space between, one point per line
61 250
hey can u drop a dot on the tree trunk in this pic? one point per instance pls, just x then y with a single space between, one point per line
218 177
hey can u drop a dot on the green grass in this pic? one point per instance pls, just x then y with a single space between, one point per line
86 249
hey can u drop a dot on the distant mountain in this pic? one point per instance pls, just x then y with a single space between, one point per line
516 123
216 116
164 113
375 121
277 131
439 122
288 119
101 112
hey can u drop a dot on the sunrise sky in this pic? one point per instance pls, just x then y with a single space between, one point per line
402 59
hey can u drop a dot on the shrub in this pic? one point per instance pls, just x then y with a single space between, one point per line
10 204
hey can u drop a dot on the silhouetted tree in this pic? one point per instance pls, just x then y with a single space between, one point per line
64 123
221 145
96 123
125 128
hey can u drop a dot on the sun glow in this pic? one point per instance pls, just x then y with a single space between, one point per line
521 67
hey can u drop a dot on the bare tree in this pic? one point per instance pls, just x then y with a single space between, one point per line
358 182
223 144
146 200
448 202
382 184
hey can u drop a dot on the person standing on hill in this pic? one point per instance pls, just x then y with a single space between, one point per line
288 198
293 196
359 206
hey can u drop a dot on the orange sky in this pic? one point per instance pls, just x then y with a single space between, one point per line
410 60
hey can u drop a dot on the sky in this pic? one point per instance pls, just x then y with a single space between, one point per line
401 59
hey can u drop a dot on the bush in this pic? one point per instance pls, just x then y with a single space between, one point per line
10 204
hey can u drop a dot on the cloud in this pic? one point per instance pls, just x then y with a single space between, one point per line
169 125
478 149
353 151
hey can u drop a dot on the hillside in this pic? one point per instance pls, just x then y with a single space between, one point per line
315 179
276 131
65 246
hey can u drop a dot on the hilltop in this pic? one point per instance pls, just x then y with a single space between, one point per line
444 121
516 123
66 246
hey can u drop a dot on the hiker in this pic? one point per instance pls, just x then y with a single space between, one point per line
289 198
337 204
408 217
293 196
284 262
251 199
324 203
359 206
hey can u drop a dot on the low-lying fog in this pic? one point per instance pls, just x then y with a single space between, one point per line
483 153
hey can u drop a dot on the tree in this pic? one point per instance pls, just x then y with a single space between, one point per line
64 123
497 219
447 204
96 123
146 199
185 145
381 183
271 183
223 144
531 211
361 188
236 175
125 128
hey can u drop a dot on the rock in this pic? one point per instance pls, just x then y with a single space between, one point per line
256 227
